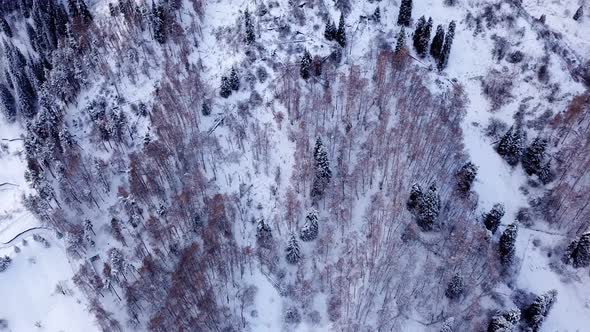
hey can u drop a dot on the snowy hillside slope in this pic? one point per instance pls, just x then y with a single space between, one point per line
163 187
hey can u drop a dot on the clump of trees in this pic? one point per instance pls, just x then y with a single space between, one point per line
578 252
507 245
465 177
504 321
511 145
534 315
425 206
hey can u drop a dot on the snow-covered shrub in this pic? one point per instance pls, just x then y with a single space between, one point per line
497 87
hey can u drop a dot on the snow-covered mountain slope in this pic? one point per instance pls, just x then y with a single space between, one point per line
235 166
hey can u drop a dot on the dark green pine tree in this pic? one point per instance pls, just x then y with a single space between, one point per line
263 234
536 313
225 88
5 27
465 177
7 103
416 39
578 252
377 15
330 32
293 254
437 42
424 38
159 23
305 65
323 174
73 8
510 145
405 13
341 33
310 229
84 12
534 156
507 245
492 219
446 50
401 40
234 80
249 26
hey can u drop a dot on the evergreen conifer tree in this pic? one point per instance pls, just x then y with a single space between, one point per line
466 176
293 255
401 40
5 27
507 245
510 145
579 13
504 322
159 23
418 33
330 31
7 103
534 156
578 252
341 33
225 89
437 43
305 65
455 288
84 12
376 15
323 174
405 13
249 26
424 39
310 229
446 50
234 80
263 233
536 313
492 219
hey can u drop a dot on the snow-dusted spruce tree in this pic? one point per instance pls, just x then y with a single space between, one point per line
424 38
492 219
465 177
263 233
534 156
446 50
405 13
420 26
579 13
7 103
234 80
4 27
507 245
85 14
578 252
341 33
401 40
437 43
225 88
424 205
455 287
330 31
323 174
159 23
206 108
536 313
305 65
510 145
376 17
310 230
4 263
504 322
293 255
250 36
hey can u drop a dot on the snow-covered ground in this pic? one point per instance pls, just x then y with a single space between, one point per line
30 300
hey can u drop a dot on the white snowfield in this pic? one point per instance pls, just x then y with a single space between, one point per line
30 299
